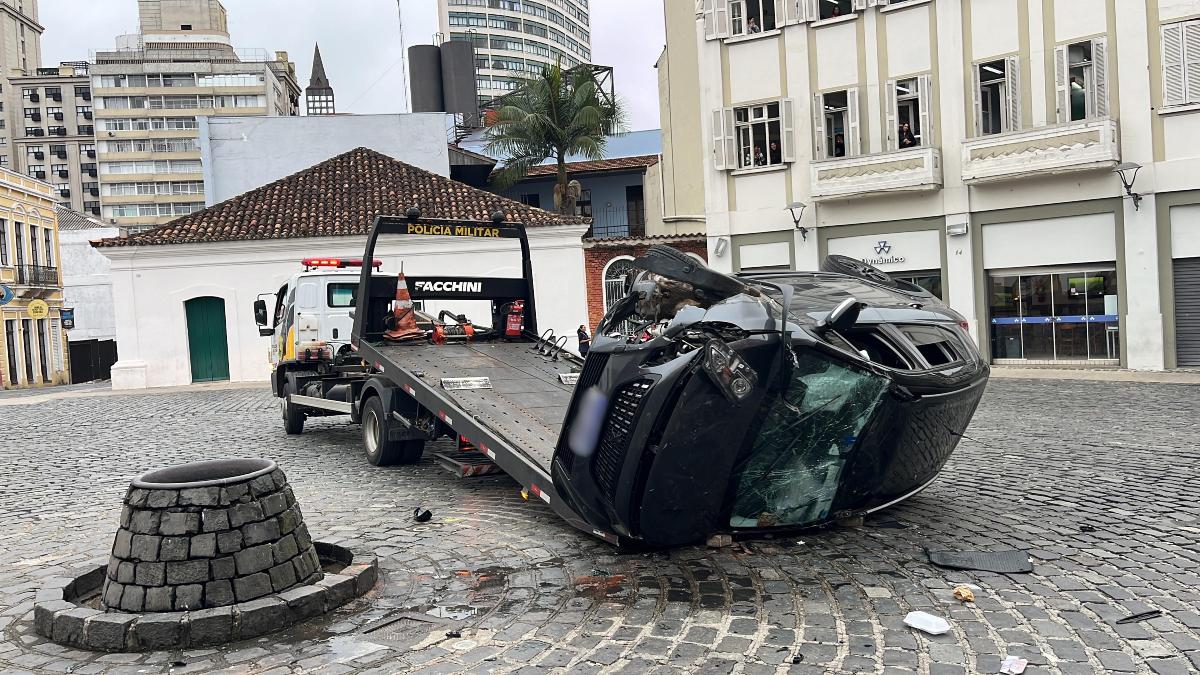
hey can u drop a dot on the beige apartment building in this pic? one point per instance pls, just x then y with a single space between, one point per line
148 93
53 132
969 147
20 52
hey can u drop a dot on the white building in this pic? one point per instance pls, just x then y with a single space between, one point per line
185 291
515 39
1000 193
243 153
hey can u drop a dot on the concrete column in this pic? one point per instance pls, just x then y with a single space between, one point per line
960 270
1143 337
1037 72
716 183
875 96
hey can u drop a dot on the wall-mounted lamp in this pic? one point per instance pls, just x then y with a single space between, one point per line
721 247
1128 172
799 206
957 228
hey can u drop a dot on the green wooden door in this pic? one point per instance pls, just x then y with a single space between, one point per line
208 342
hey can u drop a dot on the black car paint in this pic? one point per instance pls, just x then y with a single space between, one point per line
677 472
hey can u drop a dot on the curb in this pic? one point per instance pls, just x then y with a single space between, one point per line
58 617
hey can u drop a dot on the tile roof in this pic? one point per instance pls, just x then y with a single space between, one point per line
644 239
69 219
616 164
338 197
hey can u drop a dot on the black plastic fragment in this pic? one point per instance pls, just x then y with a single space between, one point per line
1000 562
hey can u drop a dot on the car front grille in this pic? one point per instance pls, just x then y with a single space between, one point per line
593 368
618 427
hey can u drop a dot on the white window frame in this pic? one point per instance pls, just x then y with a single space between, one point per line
1181 63
725 148
1010 112
1095 80
924 98
852 139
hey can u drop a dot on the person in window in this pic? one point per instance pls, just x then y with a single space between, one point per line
776 154
1078 100
839 146
585 341
837 11
907 140
760 159
752 26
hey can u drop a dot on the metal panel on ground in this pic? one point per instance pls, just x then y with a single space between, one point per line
1187 311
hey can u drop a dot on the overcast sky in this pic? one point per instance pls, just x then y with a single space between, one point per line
360 42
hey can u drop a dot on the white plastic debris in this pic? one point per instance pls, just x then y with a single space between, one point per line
928 623
1013 665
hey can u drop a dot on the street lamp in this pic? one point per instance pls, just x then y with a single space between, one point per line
1128 172
796 217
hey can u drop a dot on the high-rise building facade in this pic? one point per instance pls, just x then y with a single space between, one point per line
148 93
515 39
318 97
52 129
20 52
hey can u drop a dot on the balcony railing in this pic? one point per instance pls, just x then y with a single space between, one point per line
613 223
1076 146
917 169
37 275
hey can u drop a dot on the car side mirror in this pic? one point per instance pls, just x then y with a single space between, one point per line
260 312
843 317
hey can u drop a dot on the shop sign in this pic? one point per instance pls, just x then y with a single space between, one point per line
6 295
68 317
38 309
883 255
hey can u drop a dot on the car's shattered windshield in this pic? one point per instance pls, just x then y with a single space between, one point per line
792 473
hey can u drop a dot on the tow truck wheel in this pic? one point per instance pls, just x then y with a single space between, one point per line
380 450
293 416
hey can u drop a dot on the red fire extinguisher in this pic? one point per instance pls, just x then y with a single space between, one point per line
516 319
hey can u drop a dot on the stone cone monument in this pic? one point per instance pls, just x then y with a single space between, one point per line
208 534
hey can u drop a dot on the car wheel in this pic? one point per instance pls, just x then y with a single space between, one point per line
293 415
375 428
840 264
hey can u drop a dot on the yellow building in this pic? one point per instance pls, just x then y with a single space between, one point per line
33 349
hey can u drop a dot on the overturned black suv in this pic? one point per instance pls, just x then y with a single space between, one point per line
762 402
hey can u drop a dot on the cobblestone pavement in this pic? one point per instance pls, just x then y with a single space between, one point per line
1097 480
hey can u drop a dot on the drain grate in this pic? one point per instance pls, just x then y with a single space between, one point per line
403 630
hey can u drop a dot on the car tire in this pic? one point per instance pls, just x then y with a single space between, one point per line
381 451
840 264
293 415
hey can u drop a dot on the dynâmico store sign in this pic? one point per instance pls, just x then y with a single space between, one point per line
894 251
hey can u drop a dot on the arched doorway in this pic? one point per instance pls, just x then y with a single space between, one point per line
208 342
616 274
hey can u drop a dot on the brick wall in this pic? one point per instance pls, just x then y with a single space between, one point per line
597 257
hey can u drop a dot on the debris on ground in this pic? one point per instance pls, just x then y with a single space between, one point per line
1000 562
1087 528
927 623
453 634
1013 665
964 594
1143 616
720 541
422 515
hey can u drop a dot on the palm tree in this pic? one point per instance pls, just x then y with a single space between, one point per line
554 115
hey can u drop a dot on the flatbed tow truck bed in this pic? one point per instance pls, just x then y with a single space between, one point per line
526 404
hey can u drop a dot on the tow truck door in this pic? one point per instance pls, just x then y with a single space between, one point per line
337 299
309 309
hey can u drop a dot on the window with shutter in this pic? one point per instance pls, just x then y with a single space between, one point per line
720 161
1100 77
925 99
789 130
853 142
1062 95
1191 61
818 112
1172 66
1012 92
891 126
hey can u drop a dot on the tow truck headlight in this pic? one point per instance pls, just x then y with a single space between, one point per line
729 372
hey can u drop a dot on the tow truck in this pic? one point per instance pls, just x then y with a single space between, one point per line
708 404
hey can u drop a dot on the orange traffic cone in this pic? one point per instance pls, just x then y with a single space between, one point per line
404 317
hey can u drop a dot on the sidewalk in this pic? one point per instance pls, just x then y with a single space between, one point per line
91 389
1097 375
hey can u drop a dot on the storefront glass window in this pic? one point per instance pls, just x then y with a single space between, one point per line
1055 316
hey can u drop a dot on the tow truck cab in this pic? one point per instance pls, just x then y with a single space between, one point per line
313 310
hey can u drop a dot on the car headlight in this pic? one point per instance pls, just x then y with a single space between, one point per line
733 376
